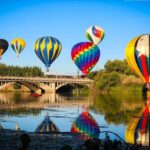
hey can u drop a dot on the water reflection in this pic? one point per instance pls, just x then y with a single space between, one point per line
113 110
117 108
138 130
46 126
24 103
86 125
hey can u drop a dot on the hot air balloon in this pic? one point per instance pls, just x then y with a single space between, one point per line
138 130
3 47
85 55
18 45
47 49
138 56
86 125
95 34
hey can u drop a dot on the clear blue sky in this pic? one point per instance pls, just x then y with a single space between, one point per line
67 21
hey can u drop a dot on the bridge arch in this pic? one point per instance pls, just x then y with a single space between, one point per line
71 86
32 87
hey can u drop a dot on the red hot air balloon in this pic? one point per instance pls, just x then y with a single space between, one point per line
85 55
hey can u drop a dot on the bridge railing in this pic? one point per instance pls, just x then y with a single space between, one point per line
43 79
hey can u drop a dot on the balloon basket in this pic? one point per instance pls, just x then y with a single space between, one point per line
47 70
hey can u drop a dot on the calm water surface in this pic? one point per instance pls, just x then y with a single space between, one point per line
113 112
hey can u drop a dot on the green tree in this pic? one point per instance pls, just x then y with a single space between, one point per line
20 71
120 66
105 80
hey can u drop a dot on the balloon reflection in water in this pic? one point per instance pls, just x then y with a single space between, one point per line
47 126
138 130
86 125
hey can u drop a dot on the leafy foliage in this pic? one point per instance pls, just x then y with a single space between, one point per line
20 71
119 66
115 73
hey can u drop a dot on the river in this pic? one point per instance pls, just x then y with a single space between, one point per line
113 112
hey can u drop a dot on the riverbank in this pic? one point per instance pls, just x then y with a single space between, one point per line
14 140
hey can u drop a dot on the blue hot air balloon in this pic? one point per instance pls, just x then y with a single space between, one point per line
47 49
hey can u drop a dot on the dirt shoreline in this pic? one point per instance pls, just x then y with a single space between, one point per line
12 140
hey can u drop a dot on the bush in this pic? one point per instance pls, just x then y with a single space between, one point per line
105 80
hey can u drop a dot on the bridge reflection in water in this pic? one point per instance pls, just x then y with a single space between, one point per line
28 111
25 99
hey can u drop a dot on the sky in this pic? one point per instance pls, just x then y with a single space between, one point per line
68 20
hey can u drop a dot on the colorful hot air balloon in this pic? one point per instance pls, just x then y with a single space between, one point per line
95 34
138 130
85 55
3 47
138 56
18 45
86 125
47 49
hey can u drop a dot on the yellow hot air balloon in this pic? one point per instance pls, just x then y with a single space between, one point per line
18 44
138 56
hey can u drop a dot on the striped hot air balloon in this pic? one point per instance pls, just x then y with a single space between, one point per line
86 125
3 47
85 55
47 49
95 34
138 56
18 44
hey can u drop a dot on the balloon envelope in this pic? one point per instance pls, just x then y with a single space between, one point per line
18 45
47 49
85 55
86 125
3 46
138 56
95 34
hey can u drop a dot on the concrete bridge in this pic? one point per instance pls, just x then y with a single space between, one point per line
42 84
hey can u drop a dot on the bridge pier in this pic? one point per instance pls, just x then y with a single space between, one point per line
54 87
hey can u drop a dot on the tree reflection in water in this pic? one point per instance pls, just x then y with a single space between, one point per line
118 107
